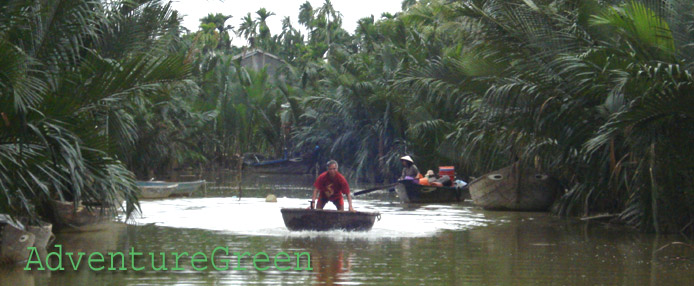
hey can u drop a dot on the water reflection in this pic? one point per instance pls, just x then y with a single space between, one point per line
537 247
110 239
331 260
410 245
16 275
105 240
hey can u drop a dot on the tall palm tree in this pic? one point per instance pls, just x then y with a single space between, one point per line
217 20
407 4
247 29
289 42
306 15
331 19
263 30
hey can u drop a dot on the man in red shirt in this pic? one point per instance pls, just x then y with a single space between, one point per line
332 185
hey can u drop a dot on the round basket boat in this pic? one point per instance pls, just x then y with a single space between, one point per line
321 220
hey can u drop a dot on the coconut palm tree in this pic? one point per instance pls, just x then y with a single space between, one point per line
64 100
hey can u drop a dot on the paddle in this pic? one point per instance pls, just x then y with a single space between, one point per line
373 189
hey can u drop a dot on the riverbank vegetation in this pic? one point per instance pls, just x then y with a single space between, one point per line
596 93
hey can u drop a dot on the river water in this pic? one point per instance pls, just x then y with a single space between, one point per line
410 245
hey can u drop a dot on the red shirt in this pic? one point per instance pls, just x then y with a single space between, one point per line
331 188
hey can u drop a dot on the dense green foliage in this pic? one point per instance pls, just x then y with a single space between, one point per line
75 77
593 92
596 93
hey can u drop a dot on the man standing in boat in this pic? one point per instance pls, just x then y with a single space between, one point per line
331 185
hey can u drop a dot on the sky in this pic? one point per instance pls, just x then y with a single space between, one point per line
352 10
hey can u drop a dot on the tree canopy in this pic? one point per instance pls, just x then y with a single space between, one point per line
594 93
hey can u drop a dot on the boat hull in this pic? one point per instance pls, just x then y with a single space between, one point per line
81 219
514 188
291 166
162 189
156 190
322 220
186 189
43 233
15 241
411 193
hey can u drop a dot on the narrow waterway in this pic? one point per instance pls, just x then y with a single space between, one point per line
410 245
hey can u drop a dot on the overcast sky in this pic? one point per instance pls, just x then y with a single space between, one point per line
352 10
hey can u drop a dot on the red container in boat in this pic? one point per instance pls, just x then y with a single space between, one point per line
448 171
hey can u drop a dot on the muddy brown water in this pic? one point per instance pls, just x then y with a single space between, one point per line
411 245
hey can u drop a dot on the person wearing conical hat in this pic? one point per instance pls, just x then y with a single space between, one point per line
409 169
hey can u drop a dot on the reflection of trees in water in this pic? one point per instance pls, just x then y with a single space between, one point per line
514 249
16 275
109 239
537 248
105 240
400 261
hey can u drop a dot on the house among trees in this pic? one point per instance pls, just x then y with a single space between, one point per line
256 59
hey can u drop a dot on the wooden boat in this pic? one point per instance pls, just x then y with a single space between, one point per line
281 166
156 189
413 193
321 220
14 241
182 189
43 233
514 188
186 189
68 217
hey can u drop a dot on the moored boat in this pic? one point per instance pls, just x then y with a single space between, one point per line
43 233
155 190
514 188
186 189
410 192
15 241
282 166
181 189
321 220
80 218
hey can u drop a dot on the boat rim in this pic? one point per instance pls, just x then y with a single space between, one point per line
331 211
